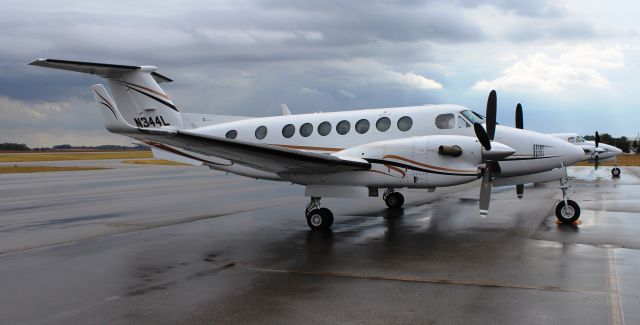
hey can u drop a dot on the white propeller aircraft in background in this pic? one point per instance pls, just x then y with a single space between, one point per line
336 154
593 150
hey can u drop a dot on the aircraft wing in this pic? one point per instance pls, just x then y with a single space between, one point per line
260 156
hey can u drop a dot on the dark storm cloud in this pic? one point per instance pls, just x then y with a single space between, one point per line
246 57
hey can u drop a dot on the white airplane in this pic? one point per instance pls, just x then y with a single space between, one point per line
336 154
593 150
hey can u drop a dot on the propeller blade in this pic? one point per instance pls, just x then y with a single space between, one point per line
485 191
597 139
519 118
492 103
495 169
597 161
482 136
520 190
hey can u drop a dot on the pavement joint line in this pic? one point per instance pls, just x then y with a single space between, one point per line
415 279
614 297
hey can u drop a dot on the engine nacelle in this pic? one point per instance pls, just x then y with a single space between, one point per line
428 161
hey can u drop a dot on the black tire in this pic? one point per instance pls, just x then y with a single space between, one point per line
568 215
320 219
616 172
394 200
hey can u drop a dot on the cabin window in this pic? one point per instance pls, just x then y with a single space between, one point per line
462 123
343 127
261 132
231 134
324 128
383 124
288 130
362 126
572 139
405 123
306 129
445 121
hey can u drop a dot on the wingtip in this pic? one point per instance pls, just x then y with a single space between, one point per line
37 61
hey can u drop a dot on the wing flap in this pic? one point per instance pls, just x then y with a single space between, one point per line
260 156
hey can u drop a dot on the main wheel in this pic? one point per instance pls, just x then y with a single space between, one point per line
567 213
615 172
320 219
394 200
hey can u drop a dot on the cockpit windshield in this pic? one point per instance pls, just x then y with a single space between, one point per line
579 139
473 117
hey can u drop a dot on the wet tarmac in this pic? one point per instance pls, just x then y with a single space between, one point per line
166 244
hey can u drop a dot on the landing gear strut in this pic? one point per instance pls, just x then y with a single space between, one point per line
318 218
392 198
567 211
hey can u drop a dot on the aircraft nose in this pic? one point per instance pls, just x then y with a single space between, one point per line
572 154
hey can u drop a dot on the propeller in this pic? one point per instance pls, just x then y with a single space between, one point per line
597 139
519 125
491 154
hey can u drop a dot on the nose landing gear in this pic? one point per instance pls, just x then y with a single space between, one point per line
567 211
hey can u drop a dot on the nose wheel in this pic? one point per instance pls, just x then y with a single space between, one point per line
567 211
615 172
318 218
393 199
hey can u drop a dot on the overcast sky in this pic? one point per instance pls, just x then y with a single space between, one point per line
573 64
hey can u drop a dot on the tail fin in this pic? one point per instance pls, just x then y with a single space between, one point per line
136 93
113 120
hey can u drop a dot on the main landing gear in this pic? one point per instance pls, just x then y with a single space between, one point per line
393 199
567 211
318 218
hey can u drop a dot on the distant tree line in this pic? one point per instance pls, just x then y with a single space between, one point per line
622 143
23 147
14 146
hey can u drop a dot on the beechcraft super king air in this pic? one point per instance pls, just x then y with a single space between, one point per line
336 154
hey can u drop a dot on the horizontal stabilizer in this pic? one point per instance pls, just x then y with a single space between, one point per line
105 70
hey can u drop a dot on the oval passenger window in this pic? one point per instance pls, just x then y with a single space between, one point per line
324 128
231 134
362 126
261 132
383 124
288 130
306 129
343 127
405 123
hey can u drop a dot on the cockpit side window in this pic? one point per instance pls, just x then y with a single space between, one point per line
445 121
462 123
473 117
572 139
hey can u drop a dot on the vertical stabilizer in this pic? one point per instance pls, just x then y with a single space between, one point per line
135 89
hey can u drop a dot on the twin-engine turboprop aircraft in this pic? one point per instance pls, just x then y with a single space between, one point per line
336 154
594 150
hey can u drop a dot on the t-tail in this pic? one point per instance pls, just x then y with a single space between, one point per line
136 94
